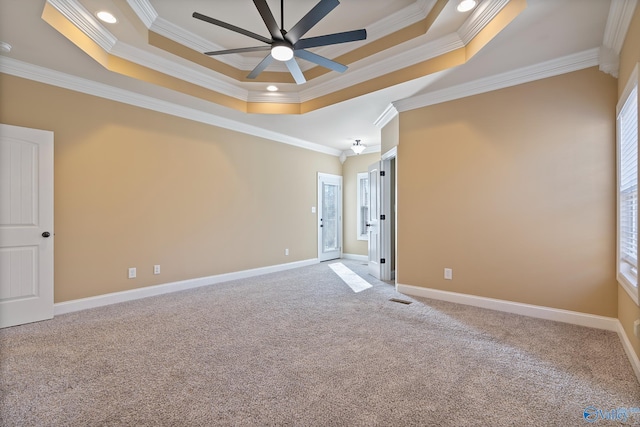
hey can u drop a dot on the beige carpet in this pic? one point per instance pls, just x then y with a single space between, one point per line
301 348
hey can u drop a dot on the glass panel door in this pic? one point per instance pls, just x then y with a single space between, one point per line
330 236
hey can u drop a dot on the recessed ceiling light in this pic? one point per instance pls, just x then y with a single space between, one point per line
272 88
5 47
466 5
106 17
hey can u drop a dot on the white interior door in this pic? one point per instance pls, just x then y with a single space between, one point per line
373 224
329 216
379 222
26 225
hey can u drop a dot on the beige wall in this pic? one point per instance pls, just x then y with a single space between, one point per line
390 134
515 191
628 311
350 169
134 188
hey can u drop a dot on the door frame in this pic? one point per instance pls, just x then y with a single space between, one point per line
329 176
389 208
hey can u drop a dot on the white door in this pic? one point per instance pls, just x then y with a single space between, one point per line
379 222
329 216
373 224
26 225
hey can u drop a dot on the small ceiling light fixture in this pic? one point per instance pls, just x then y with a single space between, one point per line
272 88
281 52
5 47
466 5
357 147
107 17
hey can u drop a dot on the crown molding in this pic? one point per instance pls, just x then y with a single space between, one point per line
618 21
144 11
148 15
554 67
56 78
411 14
379 67
199 44
479 18
278 97
175 69
85 22
609 61
387 115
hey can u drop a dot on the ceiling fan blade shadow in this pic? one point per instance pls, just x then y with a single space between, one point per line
320 60
307 22
239 50
269 20
295 71
260 67
231 27
347 36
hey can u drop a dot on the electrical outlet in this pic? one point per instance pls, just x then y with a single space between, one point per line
448 274
636 328
132 273
156 269
286 251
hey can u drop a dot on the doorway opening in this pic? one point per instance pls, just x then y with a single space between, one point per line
382 217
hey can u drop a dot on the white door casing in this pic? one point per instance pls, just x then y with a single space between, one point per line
329 216
26 225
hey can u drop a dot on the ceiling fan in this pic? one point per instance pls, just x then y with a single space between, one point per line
284 45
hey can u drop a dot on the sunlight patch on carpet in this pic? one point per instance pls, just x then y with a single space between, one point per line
355 282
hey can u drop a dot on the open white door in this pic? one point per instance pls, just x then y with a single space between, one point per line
373 224
329 216
378 223
26 225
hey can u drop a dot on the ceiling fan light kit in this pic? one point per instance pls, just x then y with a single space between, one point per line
281 52
285 45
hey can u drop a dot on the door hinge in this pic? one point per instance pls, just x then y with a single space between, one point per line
382 260
382 217
382 173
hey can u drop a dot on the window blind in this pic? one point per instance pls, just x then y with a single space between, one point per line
628 191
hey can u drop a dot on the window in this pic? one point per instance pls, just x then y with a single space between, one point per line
363 206
627 149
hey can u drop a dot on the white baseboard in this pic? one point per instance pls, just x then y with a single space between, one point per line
559 315
133 294
363 258
540 312
628 348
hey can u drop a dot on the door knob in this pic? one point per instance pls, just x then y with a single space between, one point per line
46 234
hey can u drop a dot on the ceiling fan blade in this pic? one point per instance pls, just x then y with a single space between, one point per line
320 60
295 71
269 20
260 67
310 19
239 50
348 36
230 27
